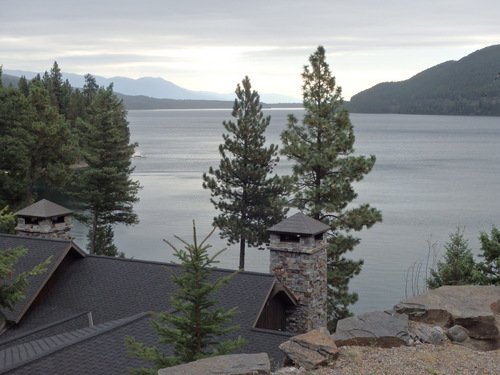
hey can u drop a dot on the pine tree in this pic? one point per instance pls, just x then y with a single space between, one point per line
104 239
24 86
15 138
458 267
248 198
324 170
90 89
490 251
195 328
12 284
7 221
104 190
51 145
56 86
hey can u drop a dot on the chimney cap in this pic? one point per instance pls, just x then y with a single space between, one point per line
44 209
299 224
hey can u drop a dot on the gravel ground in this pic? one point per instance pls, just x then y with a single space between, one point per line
445 359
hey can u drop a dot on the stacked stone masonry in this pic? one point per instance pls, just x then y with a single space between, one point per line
45 227
302 268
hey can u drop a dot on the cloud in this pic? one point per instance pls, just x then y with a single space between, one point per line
211 45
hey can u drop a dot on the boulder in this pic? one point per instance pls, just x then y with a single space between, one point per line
471 306
233 364
428 335
380 328
311 350
458 334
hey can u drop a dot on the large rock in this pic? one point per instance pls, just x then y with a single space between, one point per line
428 335
233 364
473 307
458 334
381 328
311 350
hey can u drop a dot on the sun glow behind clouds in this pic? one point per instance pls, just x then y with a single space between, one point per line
211 46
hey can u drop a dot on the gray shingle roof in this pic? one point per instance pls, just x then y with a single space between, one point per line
299 224
38 251
115 290
44 208
25 353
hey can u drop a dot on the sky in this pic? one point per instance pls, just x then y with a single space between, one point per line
211 45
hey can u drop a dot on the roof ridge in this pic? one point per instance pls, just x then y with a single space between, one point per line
42 328
160 263
33 238
23 354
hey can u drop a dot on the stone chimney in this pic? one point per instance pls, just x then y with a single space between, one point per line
299 261
44 219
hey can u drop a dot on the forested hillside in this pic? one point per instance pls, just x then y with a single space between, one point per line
75 141
470 86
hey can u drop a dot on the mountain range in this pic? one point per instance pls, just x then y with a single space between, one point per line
469 86
156 88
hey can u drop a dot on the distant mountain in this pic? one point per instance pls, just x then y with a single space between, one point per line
470 86
152 87
8 80
146 102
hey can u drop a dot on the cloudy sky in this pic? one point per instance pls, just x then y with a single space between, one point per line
211 45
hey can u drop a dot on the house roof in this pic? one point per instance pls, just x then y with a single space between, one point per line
38 252
299 224
44 208
116 295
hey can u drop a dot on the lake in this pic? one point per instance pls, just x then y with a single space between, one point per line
433 173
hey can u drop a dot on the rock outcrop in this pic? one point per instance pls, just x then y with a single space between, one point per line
381 328
475 308
310 350
233 364
469 315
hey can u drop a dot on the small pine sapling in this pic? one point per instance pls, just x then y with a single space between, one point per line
195 325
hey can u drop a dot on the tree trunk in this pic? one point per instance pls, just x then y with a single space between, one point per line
93 235
242 253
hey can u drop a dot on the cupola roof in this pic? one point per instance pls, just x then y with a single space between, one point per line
299 224
44 209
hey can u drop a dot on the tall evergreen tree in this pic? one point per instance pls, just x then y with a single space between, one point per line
15 139
324 169
197 324
56 85
90 89
104 190
248 198
23 86
52 145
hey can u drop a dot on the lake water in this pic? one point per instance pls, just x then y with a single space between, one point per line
433 173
